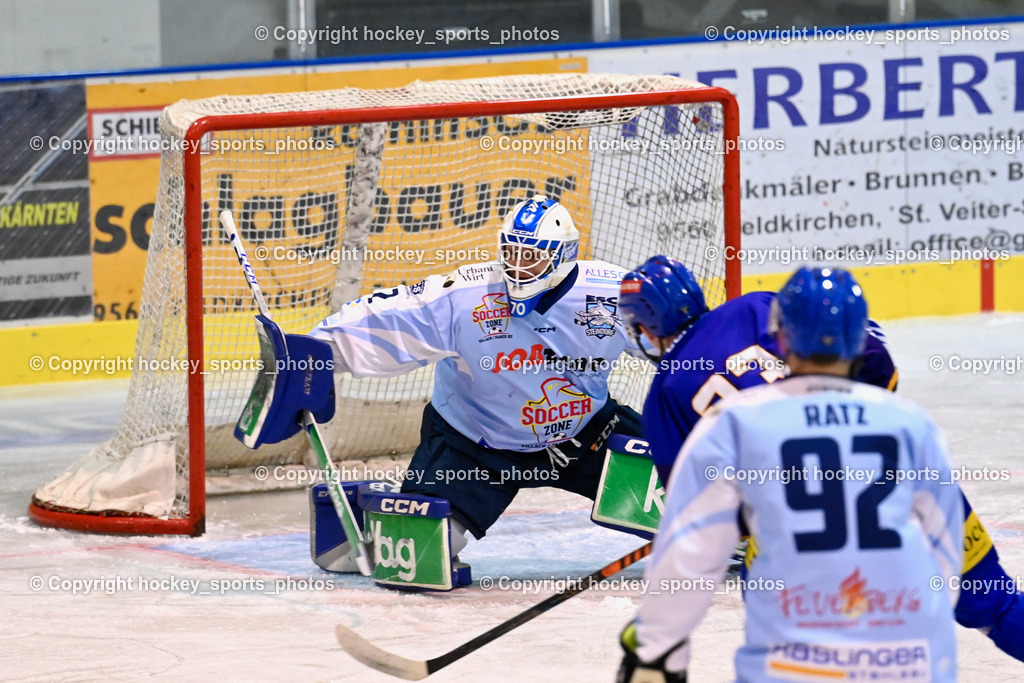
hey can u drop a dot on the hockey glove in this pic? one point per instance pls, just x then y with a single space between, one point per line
632 670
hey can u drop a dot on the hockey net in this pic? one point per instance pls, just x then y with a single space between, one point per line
339 193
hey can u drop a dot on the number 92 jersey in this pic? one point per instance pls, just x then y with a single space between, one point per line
856 522
516 383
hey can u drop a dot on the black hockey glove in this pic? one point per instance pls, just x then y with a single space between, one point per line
632 670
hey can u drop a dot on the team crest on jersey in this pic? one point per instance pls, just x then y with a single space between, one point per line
599 316
558 412
418 288
492 315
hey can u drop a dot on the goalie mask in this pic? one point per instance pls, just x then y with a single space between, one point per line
537 247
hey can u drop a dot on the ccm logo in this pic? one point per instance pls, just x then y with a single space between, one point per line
637 446
404 507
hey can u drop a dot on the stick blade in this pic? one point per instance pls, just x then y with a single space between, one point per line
381 660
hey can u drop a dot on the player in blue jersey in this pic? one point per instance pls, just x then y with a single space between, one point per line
852 574
704 356
662 301
523 348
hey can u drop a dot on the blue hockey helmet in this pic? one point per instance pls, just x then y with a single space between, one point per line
821 312
662 295
537 246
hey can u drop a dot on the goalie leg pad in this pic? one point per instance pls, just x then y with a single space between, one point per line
630 496
410 538
297 374
328 544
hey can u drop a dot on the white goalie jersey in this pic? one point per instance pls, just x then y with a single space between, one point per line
516 383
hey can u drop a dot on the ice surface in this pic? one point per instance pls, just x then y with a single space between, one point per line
255 631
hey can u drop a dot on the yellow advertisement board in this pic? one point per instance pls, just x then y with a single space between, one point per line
423 205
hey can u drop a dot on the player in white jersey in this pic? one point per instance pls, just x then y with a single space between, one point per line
847 493
523 349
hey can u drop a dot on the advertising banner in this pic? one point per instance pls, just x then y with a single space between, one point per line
45 268
866 147
124 169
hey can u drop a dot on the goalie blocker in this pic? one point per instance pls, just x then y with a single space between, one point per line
410 537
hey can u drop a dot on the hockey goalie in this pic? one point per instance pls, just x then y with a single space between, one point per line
523 348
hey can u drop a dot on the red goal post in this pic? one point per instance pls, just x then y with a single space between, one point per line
194 302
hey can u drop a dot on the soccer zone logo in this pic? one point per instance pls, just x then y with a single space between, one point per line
492 315
559 411
599 316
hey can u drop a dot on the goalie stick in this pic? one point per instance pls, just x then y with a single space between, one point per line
309 425
416 669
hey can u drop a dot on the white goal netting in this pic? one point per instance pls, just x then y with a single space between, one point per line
331 208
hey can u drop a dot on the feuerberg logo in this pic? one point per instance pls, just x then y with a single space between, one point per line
599 316
558 412
492 315
853 600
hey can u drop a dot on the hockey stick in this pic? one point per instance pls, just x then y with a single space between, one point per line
415 669
309 425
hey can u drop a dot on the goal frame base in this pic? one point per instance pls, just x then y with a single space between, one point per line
112 522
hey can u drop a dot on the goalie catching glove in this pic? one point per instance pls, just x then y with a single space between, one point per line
297 374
